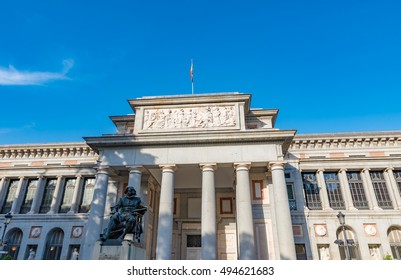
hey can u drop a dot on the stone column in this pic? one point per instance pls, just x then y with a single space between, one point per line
323 190
19 196
392 189
166 208
135 180
40 186
76 196
245 231
394 186
209 241
368 185
3 190
283 215
58 193
135 177
94 225
342 176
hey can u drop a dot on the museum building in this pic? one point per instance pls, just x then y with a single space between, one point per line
219 180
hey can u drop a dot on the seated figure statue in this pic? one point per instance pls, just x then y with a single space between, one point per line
126 217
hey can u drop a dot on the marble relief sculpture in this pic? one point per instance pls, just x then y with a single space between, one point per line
200 117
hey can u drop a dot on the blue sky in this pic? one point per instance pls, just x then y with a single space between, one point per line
328 66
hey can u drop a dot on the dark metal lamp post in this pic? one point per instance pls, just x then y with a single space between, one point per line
7 220
341 219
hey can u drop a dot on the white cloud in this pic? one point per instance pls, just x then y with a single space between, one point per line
11 76
15 129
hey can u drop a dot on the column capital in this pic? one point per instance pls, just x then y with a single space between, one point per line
208 166
389 169
40 177
168 167
78 176
365 169
103 169
242 166
59 176
21 177
275 165
320 170
342 170
135 168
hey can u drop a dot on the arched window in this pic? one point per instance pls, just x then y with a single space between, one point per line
54 244
353 246
394 238
13 239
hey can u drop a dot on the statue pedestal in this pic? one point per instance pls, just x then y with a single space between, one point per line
119 250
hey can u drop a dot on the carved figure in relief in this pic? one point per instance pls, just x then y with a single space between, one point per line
202 117
216 116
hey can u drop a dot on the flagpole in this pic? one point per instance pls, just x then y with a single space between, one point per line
191 73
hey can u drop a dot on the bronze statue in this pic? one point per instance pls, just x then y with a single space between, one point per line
126 217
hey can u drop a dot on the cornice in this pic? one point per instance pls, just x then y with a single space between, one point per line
48 150
284 137
379 139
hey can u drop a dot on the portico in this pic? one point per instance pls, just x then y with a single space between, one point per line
201 156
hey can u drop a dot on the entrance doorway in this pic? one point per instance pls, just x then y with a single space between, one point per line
193 248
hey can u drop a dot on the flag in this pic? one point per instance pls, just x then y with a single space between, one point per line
191 71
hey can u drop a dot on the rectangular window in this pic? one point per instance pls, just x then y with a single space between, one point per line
48 195
11 191
291 196
334 191
89 186
29 195
380 188
257 190
69 187
311 191
397 175
226 205
357 191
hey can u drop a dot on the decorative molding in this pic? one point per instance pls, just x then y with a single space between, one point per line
352 140
62 150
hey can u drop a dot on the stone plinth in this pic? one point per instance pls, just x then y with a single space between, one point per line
119 250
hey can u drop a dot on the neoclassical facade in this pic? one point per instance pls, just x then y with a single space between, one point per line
220 182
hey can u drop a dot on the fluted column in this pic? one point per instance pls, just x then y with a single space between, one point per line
245 231
95 221
19 196
58 193
342 176
283 214
323 190
392 188
76 196
368 185
208 226
166 207
40 186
